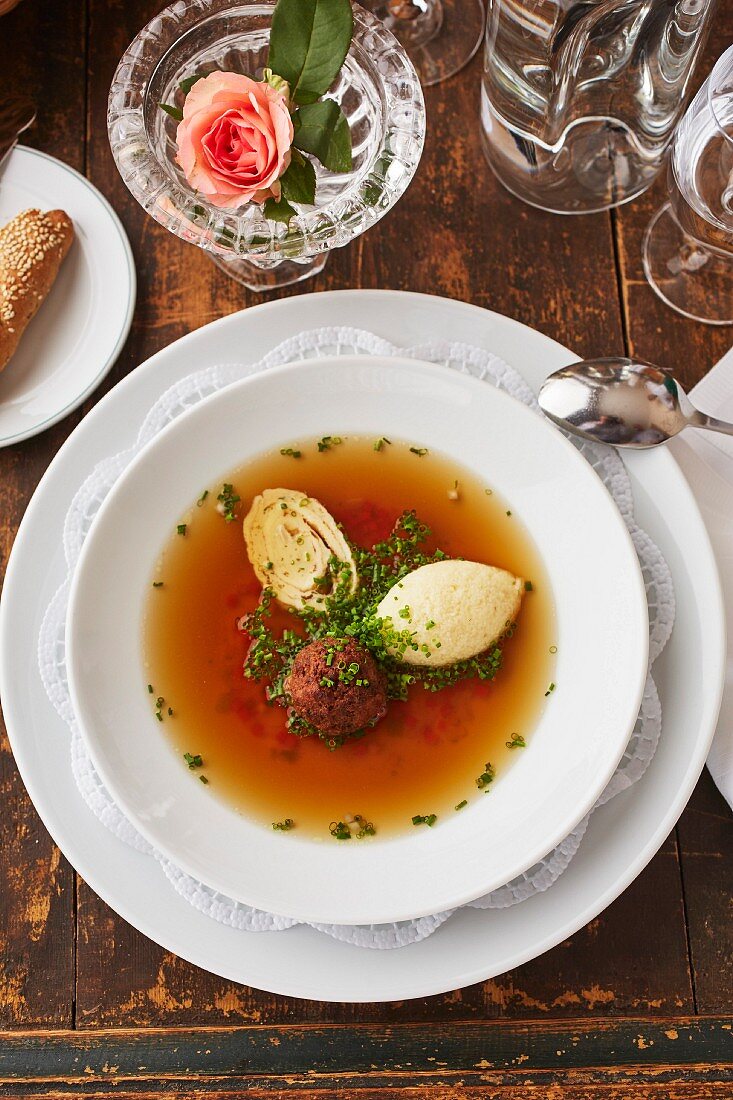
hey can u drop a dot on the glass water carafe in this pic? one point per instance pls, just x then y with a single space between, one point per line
580 98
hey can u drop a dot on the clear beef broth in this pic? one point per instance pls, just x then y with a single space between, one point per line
425 755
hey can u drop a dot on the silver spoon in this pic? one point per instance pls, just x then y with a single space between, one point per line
624 402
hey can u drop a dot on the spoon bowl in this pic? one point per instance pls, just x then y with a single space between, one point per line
622 402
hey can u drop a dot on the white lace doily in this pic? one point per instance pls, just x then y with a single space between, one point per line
199 385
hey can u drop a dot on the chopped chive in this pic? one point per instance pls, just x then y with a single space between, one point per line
550 690
340 830
228 501
517 742
508 513
202 498
553 649
528 586
379 443
290 453
181 528
203 779
150 688
157 584
419 451
425 819
486 778
460 805
488 492
193 759
329 441
283 826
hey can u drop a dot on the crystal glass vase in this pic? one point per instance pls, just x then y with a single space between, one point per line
377 89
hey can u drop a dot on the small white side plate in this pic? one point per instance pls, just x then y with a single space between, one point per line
77 334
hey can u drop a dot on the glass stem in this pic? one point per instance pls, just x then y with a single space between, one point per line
413 22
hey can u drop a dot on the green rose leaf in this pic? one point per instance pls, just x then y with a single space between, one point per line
322 129
309 41
299 180
280 211
174 112
187 84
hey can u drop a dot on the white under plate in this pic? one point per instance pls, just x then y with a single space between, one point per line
473 945
80 328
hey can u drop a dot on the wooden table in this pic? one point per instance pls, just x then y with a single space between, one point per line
632 1006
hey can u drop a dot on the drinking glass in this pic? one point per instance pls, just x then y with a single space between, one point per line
377 90
580 98
688 246
440 36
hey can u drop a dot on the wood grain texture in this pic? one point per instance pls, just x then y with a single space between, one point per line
42 49
304 1058
706 843
613 966
676 1086
671 1085
460 234
619 985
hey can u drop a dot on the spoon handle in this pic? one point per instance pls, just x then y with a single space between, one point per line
711 423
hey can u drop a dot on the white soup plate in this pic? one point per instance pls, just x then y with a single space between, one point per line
602 636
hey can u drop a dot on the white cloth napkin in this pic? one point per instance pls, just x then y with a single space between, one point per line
707 461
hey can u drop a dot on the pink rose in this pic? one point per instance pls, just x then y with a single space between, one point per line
234 140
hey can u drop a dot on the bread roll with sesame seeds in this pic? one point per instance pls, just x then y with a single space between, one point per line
32 248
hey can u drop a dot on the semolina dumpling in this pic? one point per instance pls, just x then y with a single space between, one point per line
454 609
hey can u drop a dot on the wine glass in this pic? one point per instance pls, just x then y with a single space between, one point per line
440 36
688 246
377 90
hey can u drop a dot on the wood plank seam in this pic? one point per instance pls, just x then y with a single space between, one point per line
604 1046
